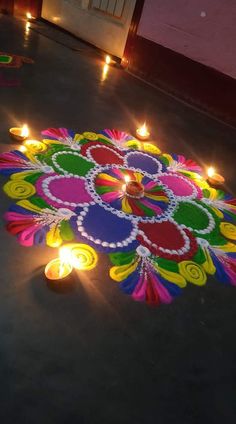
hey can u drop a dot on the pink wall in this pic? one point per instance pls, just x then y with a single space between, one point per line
204 30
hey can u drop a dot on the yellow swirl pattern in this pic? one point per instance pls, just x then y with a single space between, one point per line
151 148
82 256
133 144
19 189
228 230
120 273
78 137
90 135
192 272
35 146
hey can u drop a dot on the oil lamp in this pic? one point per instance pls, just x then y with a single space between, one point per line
58 272
142 132
132 188
214 178
19 134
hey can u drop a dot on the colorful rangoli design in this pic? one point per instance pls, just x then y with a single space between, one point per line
153 213
8 60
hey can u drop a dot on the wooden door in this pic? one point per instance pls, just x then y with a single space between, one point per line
21 7
6 6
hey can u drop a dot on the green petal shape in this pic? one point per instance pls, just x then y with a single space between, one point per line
66 231
192 216
120 258
71 162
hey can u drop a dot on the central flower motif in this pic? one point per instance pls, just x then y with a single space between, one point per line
131 192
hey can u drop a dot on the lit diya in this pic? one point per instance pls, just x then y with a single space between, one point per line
19 134
214 178
142 133
29 16
109 60
58 274
133 188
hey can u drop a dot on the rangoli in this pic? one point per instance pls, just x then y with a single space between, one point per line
153 213
8 60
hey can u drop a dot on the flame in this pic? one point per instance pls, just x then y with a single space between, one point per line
28 15
104 72
210 171
24 131
77 263
65 259
143 131
27 27
127 178
108 59
65 255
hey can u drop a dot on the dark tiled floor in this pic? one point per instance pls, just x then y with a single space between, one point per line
94 356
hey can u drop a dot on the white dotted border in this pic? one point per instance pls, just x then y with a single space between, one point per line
158 163
190 196
57 166
45 188
211 220
181 251
89 155
90 185
120 244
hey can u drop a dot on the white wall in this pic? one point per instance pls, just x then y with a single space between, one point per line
204 30
105 32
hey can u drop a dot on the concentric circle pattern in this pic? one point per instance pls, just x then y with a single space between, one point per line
161 223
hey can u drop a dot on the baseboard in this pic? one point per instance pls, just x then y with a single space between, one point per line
193 82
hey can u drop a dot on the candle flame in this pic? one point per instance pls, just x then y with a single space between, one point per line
65 259
143 131
104 72
24 131
210 171
28 15
127 178
77 262
27 27
108 59
65 255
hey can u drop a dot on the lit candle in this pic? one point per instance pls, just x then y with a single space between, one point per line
108 59
19 134
27 28
105 70
58 275
142 133
29 16
214 178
